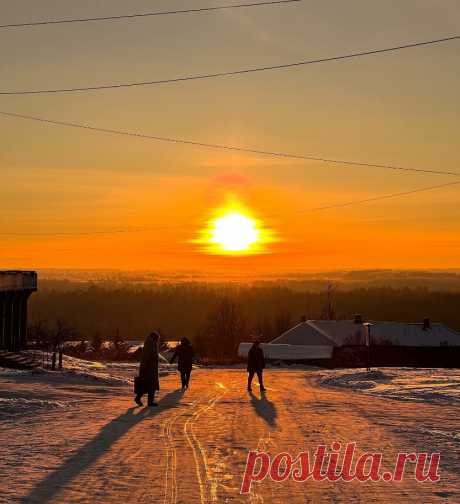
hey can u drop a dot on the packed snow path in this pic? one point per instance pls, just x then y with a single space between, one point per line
68 442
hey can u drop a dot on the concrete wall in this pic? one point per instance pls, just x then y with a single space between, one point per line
18 280
15 289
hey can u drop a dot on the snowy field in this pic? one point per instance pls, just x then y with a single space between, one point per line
76 372
76 437
438 386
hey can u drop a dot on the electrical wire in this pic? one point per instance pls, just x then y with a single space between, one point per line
144 14
184 226
229 73
233 148
382 197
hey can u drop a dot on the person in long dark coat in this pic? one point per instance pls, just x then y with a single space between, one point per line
184 352
148 370
256 365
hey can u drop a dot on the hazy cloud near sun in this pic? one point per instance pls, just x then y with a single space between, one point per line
231 179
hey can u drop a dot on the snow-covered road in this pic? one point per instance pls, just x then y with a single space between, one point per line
84 442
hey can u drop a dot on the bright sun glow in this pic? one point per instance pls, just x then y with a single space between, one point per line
234 232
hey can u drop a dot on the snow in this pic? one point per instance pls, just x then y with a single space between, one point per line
441 386
80 371
75 372
76 436
305 333
11 406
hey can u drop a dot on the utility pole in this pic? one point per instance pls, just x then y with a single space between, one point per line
330 308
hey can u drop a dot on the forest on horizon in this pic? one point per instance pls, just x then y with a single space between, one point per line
207 311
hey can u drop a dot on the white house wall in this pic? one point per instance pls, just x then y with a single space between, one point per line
290 352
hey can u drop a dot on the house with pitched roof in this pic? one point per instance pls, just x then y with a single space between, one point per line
323 340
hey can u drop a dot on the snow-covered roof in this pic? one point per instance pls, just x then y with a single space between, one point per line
413 334
348 332
322 332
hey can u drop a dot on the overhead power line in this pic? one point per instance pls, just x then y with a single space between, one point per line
382 197
231 72
184 226
93 233
232 148
45 22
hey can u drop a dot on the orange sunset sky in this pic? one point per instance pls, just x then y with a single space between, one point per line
80 199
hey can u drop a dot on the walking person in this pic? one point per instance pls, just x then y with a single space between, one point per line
148 382
184 352
256 365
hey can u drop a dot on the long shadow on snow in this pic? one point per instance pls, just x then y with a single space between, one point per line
88 454
264 408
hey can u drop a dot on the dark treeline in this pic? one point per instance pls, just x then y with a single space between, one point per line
217 318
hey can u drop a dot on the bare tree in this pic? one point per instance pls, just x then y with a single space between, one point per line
224 330
264 329
282 322
96 341
39 333
63 332
328 312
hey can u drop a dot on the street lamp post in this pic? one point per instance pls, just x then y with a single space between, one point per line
368 326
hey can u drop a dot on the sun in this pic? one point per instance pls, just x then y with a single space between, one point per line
234 232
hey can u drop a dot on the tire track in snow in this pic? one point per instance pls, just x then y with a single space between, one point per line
170 491
199 453
263 445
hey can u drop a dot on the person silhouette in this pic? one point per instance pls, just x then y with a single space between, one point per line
148 381
256 365
184 352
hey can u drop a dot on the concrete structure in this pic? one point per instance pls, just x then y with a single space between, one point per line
15 289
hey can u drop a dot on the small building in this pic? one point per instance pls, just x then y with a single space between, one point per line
343 342
15 289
